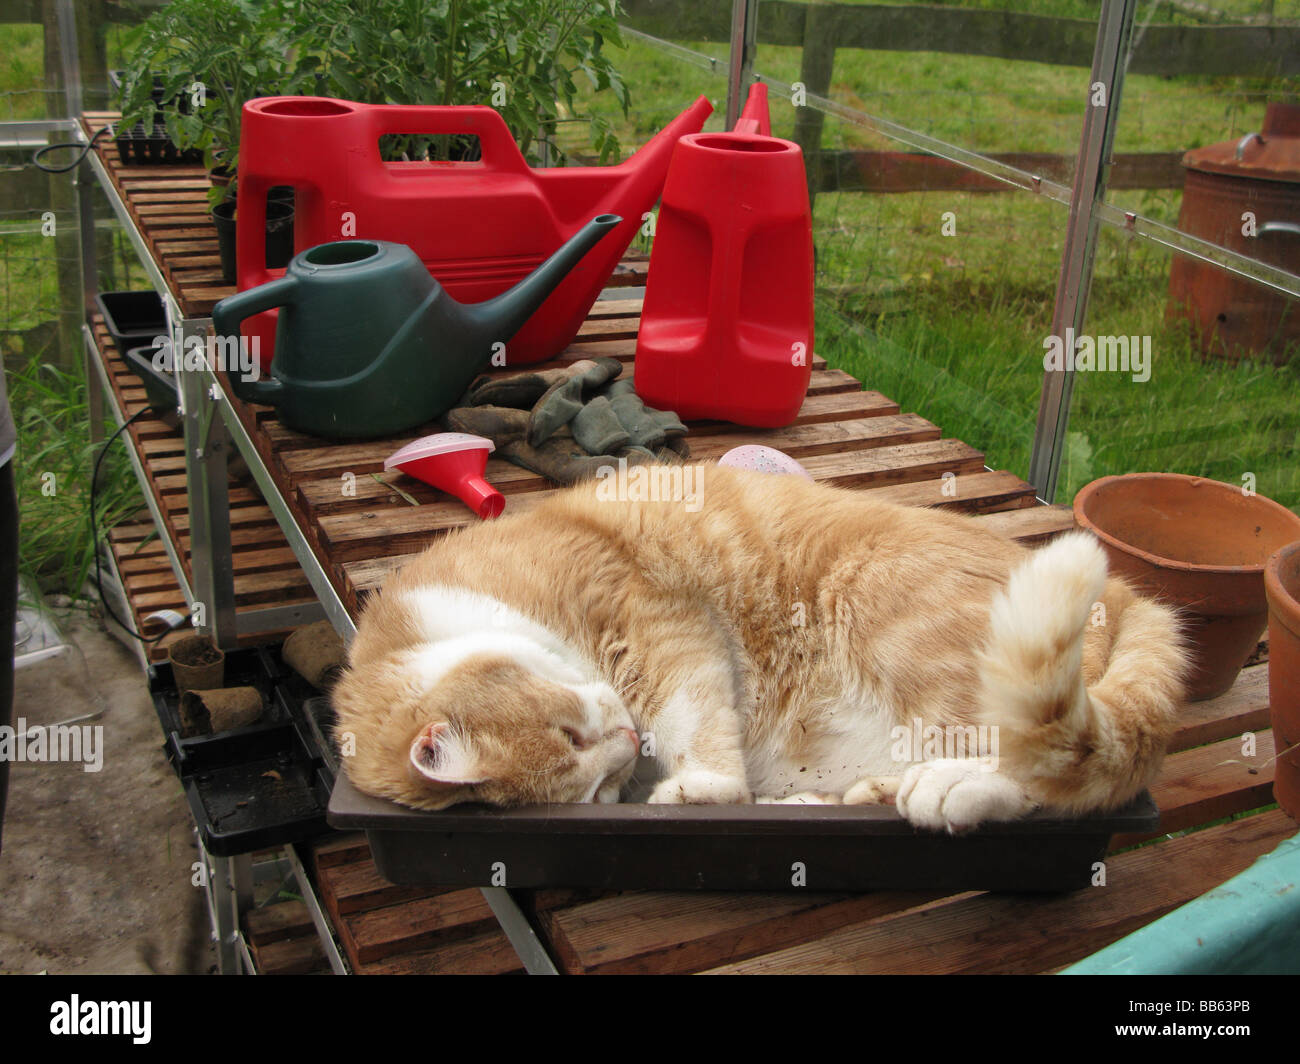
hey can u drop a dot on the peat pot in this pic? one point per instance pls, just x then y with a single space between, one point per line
1199 545
1257 175
1282 585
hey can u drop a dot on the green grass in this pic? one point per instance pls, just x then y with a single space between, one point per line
952 327
22 73
52 472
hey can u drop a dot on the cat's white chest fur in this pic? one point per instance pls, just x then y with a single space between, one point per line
855 741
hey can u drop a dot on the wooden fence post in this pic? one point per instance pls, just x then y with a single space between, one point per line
815 74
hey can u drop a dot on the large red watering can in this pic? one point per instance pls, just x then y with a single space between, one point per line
727 326
480 227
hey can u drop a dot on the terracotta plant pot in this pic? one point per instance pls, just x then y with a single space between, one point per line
1199 545
1282 584
197 665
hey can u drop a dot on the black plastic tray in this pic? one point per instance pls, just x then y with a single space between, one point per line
153 146
159 385
735 847
263 785
133 319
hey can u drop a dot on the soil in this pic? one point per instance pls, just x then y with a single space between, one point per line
195 651
96 867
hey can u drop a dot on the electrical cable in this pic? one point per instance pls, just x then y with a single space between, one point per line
85 150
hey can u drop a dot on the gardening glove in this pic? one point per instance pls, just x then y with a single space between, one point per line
564 401
645 427
520 391
567 423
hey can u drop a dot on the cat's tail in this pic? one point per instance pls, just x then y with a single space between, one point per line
1077 747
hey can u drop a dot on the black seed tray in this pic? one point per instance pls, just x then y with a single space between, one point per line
732 847
263 785
154 147
133 319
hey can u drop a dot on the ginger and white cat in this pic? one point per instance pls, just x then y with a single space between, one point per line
776 641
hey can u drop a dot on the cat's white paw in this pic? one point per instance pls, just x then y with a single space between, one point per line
802 798
701 787
873 790
959 794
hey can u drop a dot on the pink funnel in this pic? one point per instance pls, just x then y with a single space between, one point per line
453 462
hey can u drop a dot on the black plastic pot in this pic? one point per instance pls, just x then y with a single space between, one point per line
279 235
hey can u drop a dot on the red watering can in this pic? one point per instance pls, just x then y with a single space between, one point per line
727 326
480 227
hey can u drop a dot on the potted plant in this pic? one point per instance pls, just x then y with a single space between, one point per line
212 55
523 57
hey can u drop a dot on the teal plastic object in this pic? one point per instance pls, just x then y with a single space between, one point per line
1248 926
369 344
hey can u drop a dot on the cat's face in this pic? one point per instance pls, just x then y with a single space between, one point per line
489 727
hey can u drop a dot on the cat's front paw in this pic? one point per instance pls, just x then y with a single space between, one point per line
959 794
700 787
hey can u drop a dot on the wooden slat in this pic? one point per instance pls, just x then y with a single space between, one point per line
273 923
489 953
978 493
895 465
1030 525
349 888
413 925
337 850
1018 934
1243 708
1210 782
645 932
294 956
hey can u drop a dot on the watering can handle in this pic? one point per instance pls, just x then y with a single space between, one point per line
229 315
499 150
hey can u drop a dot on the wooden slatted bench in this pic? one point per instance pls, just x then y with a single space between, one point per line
360 528
265 569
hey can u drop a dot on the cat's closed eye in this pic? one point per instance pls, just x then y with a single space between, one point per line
576 738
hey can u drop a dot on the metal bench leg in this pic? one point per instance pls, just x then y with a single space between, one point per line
206 448
520 932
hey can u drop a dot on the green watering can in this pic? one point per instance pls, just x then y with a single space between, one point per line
368 342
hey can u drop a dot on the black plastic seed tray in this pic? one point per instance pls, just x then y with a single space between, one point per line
159 385
263 785
152 147
133 319
734 847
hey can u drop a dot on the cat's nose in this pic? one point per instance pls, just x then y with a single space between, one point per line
636 739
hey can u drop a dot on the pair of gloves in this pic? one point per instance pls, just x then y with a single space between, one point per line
567 423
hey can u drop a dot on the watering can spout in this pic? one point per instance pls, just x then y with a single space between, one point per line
499 318
638 181
755 118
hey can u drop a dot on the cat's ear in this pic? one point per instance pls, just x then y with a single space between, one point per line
438 755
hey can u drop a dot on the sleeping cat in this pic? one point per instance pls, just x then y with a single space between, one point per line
777 641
